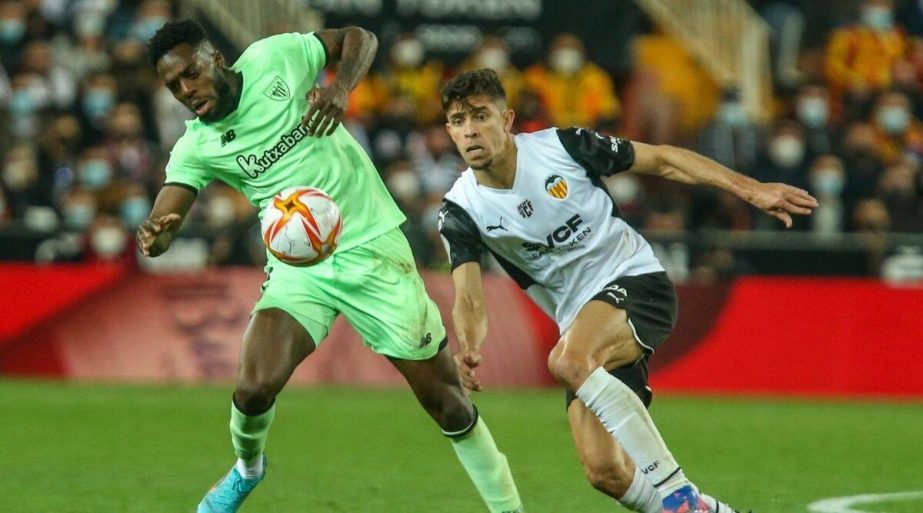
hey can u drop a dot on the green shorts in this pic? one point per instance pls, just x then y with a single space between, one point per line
375 286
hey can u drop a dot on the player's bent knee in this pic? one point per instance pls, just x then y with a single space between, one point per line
569 367
455 416
254 397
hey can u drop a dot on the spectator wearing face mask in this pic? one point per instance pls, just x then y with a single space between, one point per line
108 242
28 103
812 110
575 91
897 189
860 56
826 182
730 137
78 209
494 53
59 84
12 33
785 159
97 100
898 134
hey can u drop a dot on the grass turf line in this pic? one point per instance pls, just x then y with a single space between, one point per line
96 448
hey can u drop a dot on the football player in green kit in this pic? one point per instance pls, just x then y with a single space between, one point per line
264 124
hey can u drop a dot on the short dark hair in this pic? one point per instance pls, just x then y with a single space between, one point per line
472 83
172 34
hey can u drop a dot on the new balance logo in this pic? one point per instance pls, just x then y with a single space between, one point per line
426 340
227 137
497 226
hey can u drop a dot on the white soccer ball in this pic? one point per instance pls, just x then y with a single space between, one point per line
301 226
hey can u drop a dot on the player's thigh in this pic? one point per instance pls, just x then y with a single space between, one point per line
601 333
629 316
383 297
292 316
274 344
602 457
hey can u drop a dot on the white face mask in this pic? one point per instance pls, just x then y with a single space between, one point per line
878 18
813 112
108 242
220 211
786 151
405 185
408 53
827 181
566 60
733 113
893 119
493 58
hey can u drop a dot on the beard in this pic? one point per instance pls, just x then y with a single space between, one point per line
484 166
222 94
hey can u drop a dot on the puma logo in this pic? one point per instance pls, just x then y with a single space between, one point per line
498 226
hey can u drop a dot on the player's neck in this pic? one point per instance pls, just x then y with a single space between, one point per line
501 174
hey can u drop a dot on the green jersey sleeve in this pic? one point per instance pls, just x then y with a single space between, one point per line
185 168
291 51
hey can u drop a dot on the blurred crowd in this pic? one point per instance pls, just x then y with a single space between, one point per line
88 126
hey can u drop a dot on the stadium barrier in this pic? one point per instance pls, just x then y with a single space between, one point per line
762 335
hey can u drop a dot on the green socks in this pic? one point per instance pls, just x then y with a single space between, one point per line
248 434
487 467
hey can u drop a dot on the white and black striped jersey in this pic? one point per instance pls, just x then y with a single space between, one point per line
557 231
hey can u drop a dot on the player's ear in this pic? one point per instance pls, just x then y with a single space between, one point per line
218 59
508 117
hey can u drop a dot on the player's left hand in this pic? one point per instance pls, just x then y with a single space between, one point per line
781 200
467 361
326 108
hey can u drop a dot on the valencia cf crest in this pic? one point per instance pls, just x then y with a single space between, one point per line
556 186
277 90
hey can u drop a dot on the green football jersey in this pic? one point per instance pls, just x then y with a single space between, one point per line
261 148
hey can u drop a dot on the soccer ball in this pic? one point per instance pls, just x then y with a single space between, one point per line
301 226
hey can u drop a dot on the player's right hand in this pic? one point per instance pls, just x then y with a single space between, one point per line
467 361
151 228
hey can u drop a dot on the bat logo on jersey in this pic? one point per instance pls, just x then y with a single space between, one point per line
525 208
277 90
556 186
563 238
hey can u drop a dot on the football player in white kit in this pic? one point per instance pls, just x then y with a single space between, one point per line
537 203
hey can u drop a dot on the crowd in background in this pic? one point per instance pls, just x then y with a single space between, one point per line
88 127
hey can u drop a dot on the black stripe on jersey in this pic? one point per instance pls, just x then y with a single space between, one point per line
460 233
598 182
184 186
599 154
518 275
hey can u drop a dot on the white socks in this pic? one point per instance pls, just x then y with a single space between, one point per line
624 416
642 496
251 469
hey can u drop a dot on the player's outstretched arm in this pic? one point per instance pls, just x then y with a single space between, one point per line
155 234
776 199
470 317
353 49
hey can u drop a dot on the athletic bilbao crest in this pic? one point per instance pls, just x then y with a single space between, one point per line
277 90
556 187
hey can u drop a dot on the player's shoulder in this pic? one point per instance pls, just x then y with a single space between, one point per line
462 190
263 50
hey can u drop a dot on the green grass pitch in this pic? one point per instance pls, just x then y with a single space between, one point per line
95 448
